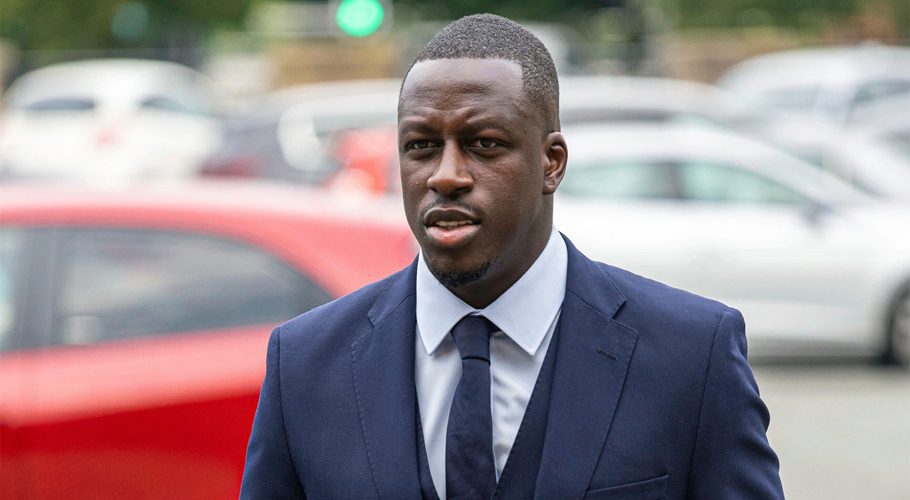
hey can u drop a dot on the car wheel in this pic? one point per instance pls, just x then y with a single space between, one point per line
897 350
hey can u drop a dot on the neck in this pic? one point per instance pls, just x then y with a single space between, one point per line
501 276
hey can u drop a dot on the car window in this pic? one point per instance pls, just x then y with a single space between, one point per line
62 104
790 99
11 242
880 89
164 103
620 180
705 181
119 284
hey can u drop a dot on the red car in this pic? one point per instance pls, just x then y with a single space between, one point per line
133 326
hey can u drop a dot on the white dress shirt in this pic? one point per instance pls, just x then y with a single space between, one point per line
526 313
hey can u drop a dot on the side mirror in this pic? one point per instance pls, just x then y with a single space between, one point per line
815 212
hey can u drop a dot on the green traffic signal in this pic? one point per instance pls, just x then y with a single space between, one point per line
359 17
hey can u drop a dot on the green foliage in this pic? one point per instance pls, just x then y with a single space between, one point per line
539 10
87 24
809 15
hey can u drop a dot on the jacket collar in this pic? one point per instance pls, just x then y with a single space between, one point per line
383 366
524 312
593 355
592 359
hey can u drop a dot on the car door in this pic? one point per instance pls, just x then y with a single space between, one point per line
17 290
795 267
627 213
148 382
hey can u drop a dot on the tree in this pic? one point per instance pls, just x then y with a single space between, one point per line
113 24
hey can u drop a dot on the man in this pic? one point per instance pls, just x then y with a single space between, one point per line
503 363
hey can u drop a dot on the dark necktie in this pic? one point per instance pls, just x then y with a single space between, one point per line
470 470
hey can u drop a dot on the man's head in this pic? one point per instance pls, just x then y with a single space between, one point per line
480 153
487 36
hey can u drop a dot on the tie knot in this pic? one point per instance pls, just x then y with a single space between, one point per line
472 337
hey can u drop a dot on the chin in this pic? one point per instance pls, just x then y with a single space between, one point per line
454 278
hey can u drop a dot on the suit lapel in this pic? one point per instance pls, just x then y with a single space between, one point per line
593 354
383 363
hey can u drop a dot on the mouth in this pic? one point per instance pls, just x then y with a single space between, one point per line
450 228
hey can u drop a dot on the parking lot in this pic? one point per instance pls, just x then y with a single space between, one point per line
841 431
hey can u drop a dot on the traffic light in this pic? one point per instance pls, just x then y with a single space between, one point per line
359 17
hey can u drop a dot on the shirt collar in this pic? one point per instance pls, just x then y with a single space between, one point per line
524 312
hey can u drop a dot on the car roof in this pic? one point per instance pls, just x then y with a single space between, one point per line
832 66
656 140
343 241
270 107
222 196
106 79
629 92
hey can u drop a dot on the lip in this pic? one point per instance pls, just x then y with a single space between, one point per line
455 235
442 214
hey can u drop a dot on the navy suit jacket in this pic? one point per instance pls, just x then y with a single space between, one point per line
651 397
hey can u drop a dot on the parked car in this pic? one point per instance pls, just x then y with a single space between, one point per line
133 326
816 267
810 97
599 99
295 134
823 84
875 159
109 122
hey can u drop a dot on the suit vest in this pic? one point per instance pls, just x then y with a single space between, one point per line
519 476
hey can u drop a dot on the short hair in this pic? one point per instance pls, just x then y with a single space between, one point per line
488 36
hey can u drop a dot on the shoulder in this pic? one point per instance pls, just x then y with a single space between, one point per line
339 321
678 320
645 296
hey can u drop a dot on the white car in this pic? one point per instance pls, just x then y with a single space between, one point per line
825 84
598 99
875 159
811 96
108 122
816 267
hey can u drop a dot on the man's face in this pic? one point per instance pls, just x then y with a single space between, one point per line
478 170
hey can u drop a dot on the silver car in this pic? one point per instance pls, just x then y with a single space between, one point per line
816 267
109 122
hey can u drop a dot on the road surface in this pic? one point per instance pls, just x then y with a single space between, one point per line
841 432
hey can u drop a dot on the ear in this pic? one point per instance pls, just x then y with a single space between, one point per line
555 155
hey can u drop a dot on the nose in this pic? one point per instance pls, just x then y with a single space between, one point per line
451 176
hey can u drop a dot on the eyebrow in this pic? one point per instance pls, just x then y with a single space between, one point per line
413 124
477 123
471 125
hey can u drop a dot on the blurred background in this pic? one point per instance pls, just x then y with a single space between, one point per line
176 178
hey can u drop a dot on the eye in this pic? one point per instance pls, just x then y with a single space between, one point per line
418 145
484 143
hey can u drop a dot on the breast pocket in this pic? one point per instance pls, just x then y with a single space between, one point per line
650 489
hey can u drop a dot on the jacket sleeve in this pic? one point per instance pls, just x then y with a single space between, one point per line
269 472
732 457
